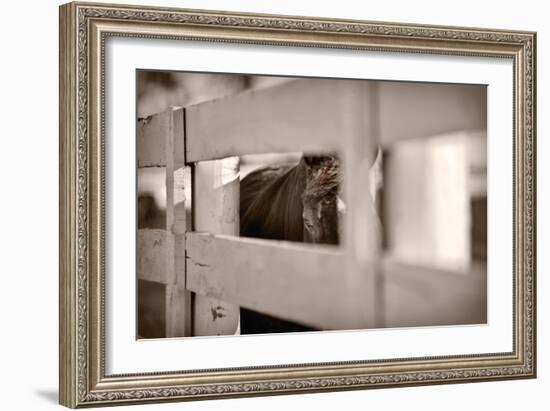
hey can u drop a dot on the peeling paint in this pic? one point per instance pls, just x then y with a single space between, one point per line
145 120
217 312
196 263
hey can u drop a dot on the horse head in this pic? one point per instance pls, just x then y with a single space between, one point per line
322 205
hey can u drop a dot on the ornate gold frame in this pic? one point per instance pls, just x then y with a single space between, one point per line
83 30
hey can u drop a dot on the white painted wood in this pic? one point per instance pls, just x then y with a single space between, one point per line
177 123
178 299
216 210
155 255
412 110
423 296
362 231
161 253
427 202
152 143
179 305
311 281
152 135
293 116
299 282
299 115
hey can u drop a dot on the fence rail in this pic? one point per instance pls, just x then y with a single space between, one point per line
305 284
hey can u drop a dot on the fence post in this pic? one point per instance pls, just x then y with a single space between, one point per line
155 262
216 210
178 299
362 227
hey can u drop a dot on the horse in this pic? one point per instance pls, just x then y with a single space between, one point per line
292 202
297 202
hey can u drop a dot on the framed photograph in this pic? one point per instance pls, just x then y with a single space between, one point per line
261 204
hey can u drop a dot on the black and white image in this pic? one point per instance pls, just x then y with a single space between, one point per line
270 204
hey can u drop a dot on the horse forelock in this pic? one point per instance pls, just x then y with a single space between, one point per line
324 180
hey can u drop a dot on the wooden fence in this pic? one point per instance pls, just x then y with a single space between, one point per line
209 272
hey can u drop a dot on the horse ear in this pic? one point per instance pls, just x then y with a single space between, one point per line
314 161
376 174
317 160
311 160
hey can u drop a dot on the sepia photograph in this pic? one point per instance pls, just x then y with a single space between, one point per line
270 204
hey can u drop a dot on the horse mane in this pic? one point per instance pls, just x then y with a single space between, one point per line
271 203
